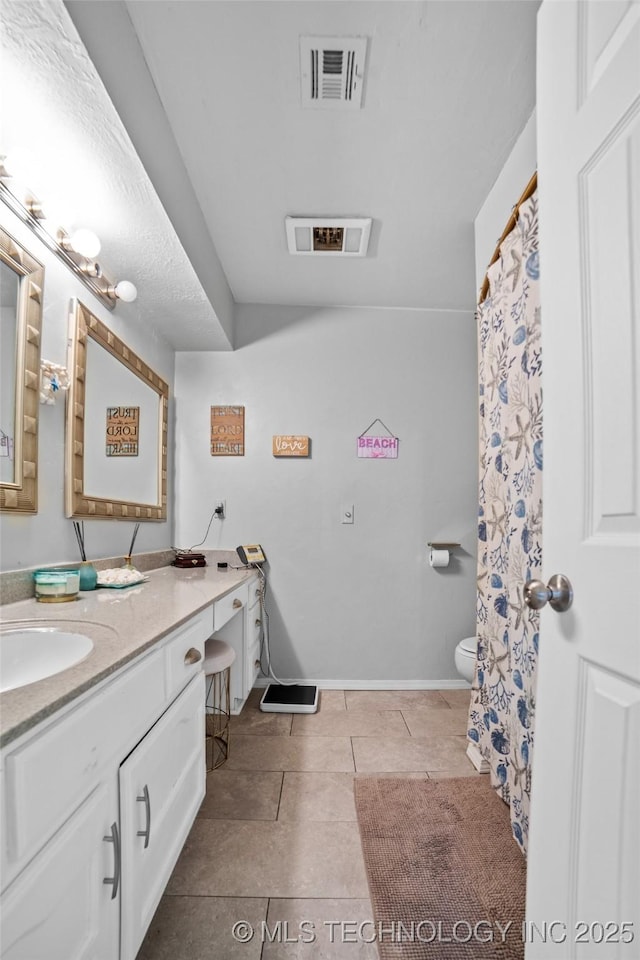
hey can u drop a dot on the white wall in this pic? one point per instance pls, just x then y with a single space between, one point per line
47 537
496 210
354 605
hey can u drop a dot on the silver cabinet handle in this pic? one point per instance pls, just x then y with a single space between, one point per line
237 604
115 879
558 593
147 806
192 656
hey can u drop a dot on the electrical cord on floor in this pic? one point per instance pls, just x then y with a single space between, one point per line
265 649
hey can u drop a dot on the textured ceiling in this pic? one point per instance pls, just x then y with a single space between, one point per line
179 127
449 87
63 132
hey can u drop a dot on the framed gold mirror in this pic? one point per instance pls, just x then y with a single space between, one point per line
21 285
116 443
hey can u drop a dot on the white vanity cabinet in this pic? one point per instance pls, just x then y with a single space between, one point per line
97 803
254 635
234 622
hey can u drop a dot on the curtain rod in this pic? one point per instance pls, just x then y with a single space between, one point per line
513 219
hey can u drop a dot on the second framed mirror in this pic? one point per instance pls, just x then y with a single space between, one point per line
116 444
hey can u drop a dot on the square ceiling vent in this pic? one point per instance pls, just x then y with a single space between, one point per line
332 71
328 236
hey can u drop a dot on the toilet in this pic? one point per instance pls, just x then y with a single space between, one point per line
465 658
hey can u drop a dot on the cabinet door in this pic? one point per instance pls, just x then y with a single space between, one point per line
162 784
60 907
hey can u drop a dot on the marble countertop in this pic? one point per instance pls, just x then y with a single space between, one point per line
122 625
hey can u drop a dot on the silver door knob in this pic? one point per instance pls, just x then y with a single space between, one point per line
558 593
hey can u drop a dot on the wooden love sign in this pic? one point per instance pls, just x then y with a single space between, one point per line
290 446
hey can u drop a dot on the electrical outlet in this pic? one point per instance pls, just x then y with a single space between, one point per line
220 509
347 513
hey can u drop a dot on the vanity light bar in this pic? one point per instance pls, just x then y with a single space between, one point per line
30 211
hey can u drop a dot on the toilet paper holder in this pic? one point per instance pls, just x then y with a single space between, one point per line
440 553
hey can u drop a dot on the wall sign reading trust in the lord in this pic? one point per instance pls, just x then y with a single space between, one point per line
227 431
123 426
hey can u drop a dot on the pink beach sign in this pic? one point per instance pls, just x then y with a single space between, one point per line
378 448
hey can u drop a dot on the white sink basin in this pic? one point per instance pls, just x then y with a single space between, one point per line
33 653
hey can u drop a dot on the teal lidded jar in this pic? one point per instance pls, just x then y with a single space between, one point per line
88 576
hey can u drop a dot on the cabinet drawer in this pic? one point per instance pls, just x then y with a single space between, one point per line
229 606
255 589
184 651
254 628
252 665
254 637
45 780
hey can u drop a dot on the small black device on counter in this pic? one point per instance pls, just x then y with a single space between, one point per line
251 553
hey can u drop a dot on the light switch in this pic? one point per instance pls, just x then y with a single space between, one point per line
347 513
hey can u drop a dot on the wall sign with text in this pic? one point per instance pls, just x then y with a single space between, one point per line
123 430
285 445
377 447
227 431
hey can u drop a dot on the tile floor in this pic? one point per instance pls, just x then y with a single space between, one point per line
276 842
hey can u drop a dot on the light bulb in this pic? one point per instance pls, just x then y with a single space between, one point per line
18 165
125 290
85 242
6 166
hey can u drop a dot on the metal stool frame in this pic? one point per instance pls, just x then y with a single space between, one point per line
217 716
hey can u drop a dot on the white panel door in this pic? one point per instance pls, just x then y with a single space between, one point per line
584 857
162 784
66 904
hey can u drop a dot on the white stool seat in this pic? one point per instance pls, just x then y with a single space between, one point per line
218 656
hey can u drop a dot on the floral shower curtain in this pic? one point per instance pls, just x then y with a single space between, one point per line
501 718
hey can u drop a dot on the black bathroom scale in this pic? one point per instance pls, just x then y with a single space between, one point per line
289 698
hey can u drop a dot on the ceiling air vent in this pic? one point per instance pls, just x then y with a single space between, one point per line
332 71
328 236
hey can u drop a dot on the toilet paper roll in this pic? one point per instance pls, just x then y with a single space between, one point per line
439 558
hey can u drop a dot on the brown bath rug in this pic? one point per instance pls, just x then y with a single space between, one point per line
446 877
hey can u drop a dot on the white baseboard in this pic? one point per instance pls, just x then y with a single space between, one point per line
374 684
479 762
